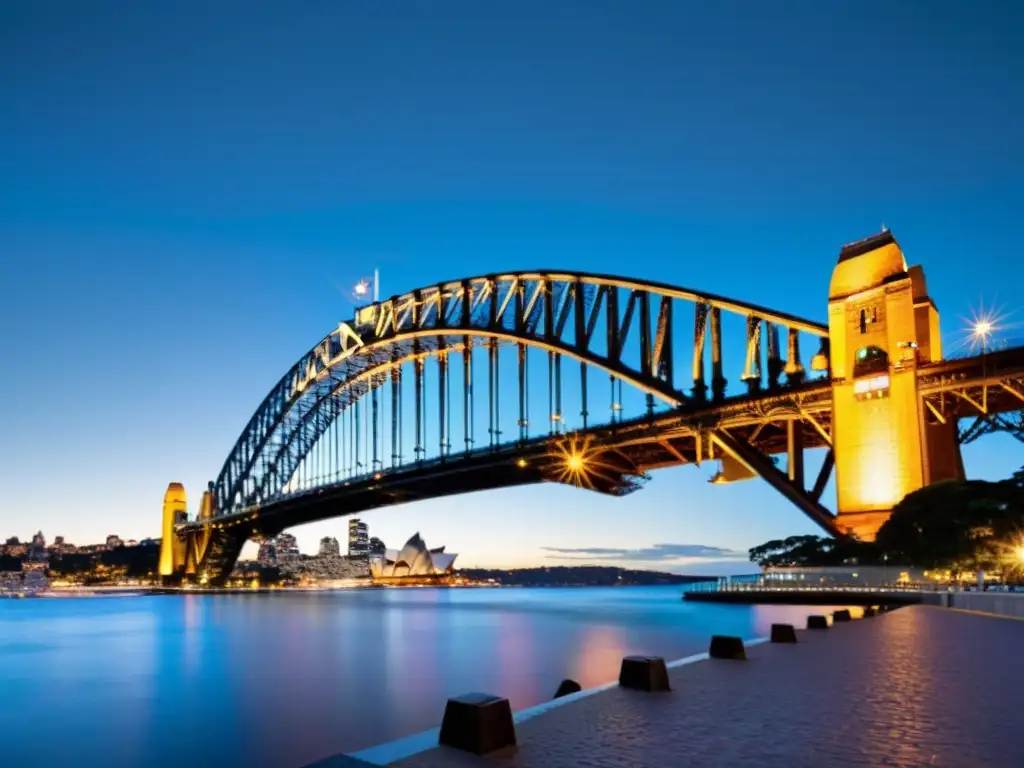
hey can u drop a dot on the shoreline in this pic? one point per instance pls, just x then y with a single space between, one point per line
138 591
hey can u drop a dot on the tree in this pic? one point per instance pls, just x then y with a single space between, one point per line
959 525
814 551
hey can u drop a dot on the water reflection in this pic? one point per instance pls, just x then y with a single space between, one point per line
287 679
601 649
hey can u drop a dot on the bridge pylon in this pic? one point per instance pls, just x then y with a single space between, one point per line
172 547
882 325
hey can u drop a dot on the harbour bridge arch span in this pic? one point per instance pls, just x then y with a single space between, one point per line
633 332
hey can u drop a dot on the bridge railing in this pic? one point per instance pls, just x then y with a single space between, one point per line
761 584
968 348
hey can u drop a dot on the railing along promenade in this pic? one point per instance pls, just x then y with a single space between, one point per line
752 590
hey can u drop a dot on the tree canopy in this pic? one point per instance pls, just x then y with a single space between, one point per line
958 525
814 551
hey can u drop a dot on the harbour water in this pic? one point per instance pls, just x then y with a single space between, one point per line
285 679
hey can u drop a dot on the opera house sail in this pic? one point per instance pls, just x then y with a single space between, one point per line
413 560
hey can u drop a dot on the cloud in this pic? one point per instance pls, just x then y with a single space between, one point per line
655 552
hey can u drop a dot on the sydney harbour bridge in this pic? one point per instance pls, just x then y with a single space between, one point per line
595 381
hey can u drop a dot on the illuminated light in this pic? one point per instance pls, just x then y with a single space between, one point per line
874 384
521 463
580 466
984 325
378 476
1020 553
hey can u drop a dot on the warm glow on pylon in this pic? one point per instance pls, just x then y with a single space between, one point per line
575 462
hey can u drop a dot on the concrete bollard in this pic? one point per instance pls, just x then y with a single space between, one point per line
783 633
726 647
869 612
478 723
841 615
567 687
644 673
817 622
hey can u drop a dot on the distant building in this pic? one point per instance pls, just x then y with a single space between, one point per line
10 581
377 547
114 541
413 560
329 547
358 538
286 553
37 550
61 547
266 554
34 576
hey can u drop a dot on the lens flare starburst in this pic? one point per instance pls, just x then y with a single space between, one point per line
579 463
985 329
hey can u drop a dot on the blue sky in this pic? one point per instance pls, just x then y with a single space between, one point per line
186 188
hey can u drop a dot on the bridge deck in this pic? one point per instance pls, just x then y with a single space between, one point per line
921 686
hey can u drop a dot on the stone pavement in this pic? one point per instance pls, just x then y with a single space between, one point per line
921 686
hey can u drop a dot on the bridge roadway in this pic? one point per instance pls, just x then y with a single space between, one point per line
615 458
627 450
969 387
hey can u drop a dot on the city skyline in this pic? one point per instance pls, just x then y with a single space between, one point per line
176 245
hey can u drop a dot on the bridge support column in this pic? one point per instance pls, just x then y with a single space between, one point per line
882 324
172 548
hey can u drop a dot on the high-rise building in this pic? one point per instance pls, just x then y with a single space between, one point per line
114 541
286 548
286 554
266 555
377 547
330 547
358 538
37 550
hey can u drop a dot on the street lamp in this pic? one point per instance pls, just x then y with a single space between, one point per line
982 331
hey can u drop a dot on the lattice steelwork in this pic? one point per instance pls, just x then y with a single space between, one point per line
982 394
475 365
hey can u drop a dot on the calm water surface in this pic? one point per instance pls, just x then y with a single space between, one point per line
286 679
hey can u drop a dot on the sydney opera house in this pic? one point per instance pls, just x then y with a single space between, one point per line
414 561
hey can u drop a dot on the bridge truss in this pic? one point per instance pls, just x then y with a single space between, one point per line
984 394
443 372
589 380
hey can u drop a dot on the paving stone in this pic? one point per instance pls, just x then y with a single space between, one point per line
921 686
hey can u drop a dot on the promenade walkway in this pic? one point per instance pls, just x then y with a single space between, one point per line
921 686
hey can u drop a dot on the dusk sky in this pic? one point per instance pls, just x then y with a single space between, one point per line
188 190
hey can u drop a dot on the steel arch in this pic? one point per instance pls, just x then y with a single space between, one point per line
556 311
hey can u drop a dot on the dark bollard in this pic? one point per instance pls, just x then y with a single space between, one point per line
840 615
783 633
644 673
726 647
817 622
869 612
567 687
477 723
